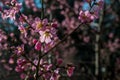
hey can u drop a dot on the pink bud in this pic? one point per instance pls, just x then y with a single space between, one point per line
11 61
70 71
38 46
22 76
54 25
35 41
59 61
18 69
111 35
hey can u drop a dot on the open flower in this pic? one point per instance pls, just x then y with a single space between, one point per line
39 24
20 50
22 30
45 36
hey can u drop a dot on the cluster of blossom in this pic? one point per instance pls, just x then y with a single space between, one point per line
3 39
47 31
14 8
46 37
87 16
70 11
67 13
31 5
113 45
46 71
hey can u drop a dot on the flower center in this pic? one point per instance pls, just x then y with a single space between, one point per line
47 34
39 25
19 49
22 30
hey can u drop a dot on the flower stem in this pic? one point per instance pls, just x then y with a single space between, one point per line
37 68
98 47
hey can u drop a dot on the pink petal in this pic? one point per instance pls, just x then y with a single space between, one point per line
47 40
70 71
42 38
38 46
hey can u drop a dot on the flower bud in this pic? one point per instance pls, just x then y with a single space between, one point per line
38 46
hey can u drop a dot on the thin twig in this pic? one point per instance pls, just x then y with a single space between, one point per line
26 20
38 65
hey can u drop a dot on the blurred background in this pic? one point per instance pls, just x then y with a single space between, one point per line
79 48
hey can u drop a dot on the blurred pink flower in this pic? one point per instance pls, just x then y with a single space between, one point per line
38 46
35 41
70 70
59 61
22 76
20 50
86 16
23 30
14 9
55 75
11 61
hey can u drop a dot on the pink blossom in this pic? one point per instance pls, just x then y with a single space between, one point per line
14 9
39 24
55 75
11 61
22 30
5 14
54 25
86 39
21 62
70 70
47 47
12 14
86 16
45 36
35 41
20 50
21 65
15 5
18 69
59 61
48 67
22 76
38 46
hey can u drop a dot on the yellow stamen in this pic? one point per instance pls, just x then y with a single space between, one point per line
47 34
39 25
19 49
